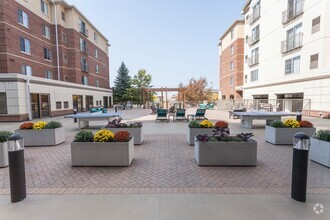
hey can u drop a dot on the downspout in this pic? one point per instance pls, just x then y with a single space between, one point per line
56 38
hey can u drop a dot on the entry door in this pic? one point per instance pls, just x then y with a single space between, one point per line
105 101
44 104
35 106
77 103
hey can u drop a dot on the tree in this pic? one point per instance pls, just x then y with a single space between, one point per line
122 83
142 79
196 89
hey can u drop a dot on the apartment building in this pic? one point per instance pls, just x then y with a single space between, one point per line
287 53
52 60
231 61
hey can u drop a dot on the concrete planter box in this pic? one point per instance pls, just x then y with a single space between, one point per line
102 153
284 136
226 153
42 137
137 133
4 154
192 132
320 152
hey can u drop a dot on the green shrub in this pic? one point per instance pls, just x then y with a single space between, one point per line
194 124
323 135
277 124
53 125
84 136
4 136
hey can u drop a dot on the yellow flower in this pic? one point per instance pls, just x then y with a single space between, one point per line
104 135
291 123
206 124
39 125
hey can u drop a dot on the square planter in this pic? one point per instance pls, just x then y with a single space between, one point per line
193 132
320 152
102 153
137 133
4 154
42 137
284 136
226 153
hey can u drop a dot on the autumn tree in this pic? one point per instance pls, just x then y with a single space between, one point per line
196 89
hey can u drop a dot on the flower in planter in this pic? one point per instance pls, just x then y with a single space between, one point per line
116 123
4 135
26 125
221 124
104 135
291 123
122 136
206 124
323 135
136 125
277 124
306 124
194 124
53 125
84 136
39 125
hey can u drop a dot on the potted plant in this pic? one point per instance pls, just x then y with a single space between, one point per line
320 147
134 128
102 149
195 128
42 133
4 148
221 149
282 133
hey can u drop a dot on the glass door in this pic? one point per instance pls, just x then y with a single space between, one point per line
77 103
35 107
105 102
45 107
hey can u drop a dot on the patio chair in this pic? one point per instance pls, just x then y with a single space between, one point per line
180 114
200 114
129 105
161 114
153 110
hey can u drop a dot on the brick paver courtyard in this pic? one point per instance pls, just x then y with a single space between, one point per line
164 163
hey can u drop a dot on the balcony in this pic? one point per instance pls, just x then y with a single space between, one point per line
292 12
83 30
84 67
292 43
83 48
253 60
254 16
254 38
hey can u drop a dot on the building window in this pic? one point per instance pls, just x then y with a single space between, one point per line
232 34
84 65
255 13
44 7
316 24
294 37
46 31
246 39
254 75
254 57
231 81
314 61
83 46
3 103
84 80
23 18
254 35
231 66
292 65
97 83
27 70
82 28
64 38
96 68
62 16
232 50
66 78
65 58
25 45
49 74
58 105
47 54
96 53
245 78
96 37
66 104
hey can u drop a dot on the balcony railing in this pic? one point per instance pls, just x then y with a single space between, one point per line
254 38
84 67
292 43
83 30
83 48
253 60
292 12
254 16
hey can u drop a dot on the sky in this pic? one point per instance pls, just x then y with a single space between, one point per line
173 40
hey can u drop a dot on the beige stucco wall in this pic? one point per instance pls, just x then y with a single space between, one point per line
238 33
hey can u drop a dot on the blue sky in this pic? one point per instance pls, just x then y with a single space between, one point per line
173 40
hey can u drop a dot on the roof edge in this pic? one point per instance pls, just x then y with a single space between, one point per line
231 27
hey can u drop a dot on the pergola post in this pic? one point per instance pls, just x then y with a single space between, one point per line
166 98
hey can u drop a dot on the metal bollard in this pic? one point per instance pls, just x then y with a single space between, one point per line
116 108
300 167
16 167
75 112
299 115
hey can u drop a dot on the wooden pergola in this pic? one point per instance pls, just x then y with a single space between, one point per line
146 95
